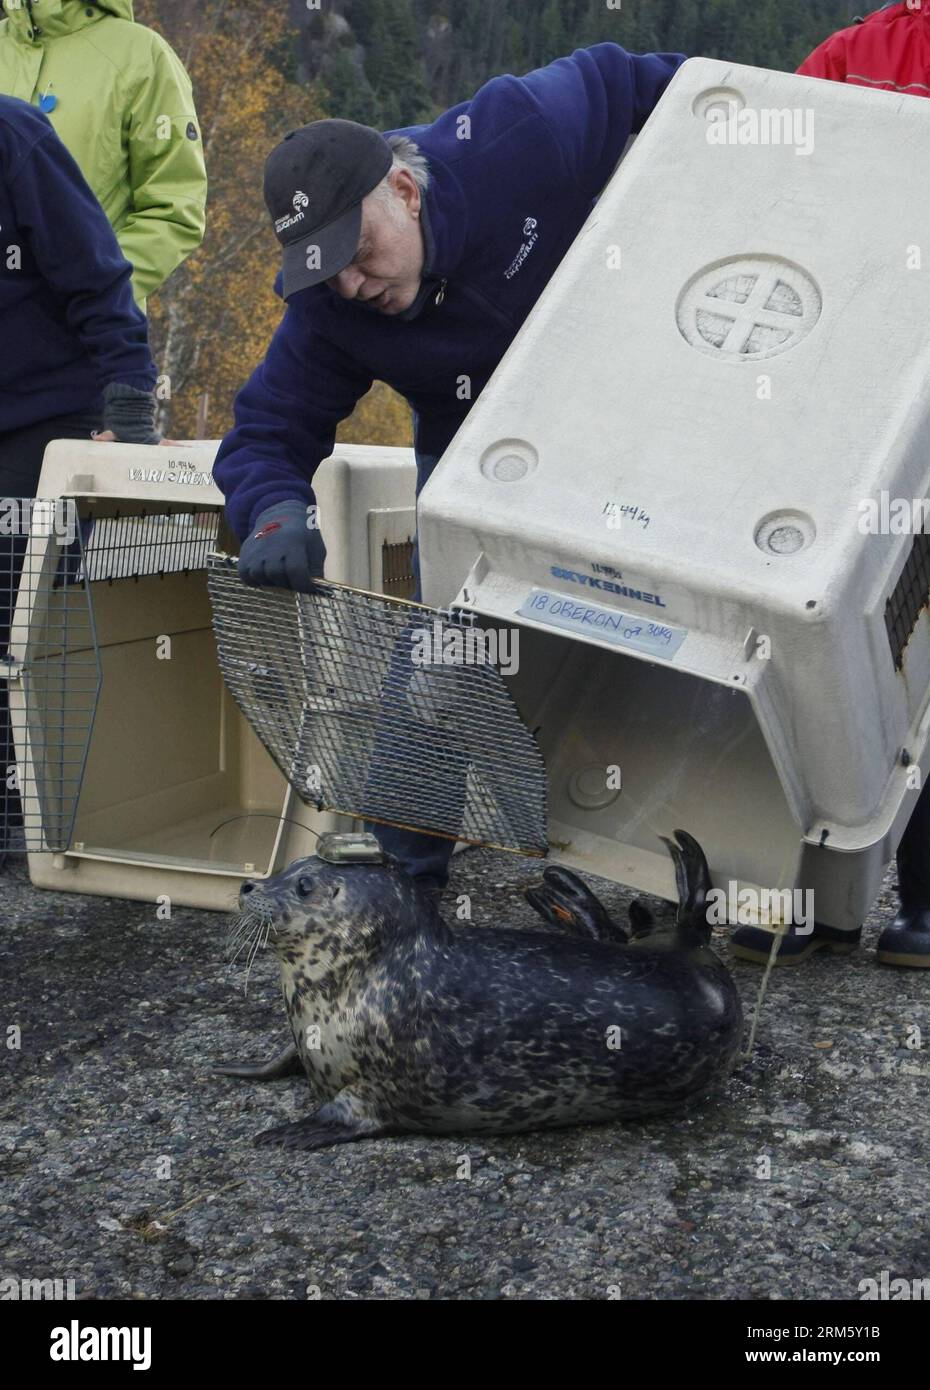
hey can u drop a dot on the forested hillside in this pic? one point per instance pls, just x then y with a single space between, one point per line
394 62
261 67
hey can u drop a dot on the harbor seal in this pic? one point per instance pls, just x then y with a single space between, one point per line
405 1025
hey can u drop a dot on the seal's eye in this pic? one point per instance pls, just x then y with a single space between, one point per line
304 887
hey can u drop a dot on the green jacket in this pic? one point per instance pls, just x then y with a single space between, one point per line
125 110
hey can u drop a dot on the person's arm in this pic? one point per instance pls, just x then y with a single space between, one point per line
828 60
286 417
77 256
167 175
594 100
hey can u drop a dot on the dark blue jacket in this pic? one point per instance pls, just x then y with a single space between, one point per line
68 322
501 210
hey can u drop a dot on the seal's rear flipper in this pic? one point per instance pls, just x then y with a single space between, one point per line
565 901
694 883
286 1063
641 919
333 1123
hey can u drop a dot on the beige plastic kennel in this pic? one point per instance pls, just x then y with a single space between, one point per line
139 777
663 490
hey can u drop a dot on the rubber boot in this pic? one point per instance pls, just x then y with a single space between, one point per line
907 940
796 946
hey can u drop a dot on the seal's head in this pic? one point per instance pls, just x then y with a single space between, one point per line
321 914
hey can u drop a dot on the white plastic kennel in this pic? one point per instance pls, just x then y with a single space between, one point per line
665 484
178 797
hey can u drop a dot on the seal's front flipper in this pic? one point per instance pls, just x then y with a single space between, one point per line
694 883
333 1123
286 1063
565 901
542 902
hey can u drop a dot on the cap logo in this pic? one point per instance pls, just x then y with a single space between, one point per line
298 202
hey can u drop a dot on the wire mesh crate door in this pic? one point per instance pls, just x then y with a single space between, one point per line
331 686
51 666
133 545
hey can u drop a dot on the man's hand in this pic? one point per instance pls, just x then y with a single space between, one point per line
129 414
108 437
285 550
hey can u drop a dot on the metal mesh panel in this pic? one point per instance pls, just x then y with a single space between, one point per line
165 542
911 595
49 672
333 686
397 576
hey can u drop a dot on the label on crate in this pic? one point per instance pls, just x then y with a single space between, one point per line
608 624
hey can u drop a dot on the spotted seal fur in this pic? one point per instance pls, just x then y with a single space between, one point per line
405 1025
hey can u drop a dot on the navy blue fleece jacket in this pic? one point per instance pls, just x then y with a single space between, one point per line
501 210
68 322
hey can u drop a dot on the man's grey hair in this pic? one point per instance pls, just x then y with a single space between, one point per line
407 155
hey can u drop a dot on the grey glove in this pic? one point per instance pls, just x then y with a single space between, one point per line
130 413
283 550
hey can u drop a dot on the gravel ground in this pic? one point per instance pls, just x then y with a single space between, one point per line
129 1168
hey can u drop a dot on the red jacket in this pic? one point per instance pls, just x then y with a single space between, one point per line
890 51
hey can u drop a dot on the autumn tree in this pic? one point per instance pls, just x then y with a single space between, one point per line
213 319
367 60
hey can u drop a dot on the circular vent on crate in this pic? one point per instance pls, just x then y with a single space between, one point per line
749 308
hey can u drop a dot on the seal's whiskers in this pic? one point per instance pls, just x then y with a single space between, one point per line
259 942
248 933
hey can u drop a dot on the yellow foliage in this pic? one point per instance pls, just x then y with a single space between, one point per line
211 322
381 417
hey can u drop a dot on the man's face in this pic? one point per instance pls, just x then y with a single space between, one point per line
388 264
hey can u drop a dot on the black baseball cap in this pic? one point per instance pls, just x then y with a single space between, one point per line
315 181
